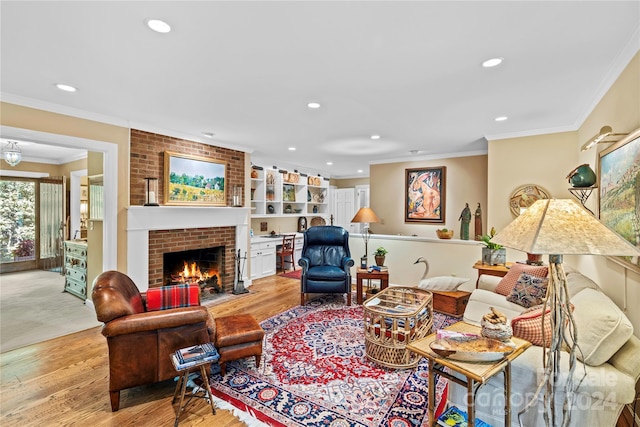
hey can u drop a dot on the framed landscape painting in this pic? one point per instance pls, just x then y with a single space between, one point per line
193 180
619 192
425 195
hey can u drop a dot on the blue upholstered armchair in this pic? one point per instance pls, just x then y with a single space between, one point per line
326 262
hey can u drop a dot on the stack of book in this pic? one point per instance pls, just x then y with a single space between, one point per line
378 268
454 417
196 355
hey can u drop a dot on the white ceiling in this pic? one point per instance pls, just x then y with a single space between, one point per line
408 71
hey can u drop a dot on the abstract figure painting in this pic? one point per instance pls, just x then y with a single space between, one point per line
425 195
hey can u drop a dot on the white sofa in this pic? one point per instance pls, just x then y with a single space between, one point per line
604 330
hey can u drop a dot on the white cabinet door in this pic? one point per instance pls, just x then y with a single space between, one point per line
268 261
297 251
263 259
345 207
256 262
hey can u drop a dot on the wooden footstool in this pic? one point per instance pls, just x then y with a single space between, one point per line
238 337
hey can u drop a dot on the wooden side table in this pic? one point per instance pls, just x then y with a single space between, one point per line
182 386
476 374
363 274
491 270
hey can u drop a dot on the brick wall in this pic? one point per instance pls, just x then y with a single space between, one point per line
147 160
161 241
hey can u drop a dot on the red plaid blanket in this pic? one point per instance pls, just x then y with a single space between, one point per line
167 297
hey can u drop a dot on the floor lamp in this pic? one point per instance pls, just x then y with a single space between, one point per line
366 216
560 227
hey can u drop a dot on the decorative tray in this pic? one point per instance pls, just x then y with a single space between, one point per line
471 349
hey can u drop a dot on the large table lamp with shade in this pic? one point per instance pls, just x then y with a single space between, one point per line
560 227
365 216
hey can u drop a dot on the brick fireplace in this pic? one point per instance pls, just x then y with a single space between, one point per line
152 231
162 242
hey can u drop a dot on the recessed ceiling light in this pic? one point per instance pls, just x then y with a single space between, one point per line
375 136
360 171
208 134
158 26
66 88
492 62
313 105
501 118
292 148
329 163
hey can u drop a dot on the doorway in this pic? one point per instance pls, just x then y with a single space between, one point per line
33 224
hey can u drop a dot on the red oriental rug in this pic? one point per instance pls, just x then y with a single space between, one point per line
293 274
314 372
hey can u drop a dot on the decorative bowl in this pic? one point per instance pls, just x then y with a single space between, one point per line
297 210
471 349
444 234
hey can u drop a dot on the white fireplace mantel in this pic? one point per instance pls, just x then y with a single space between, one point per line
142 219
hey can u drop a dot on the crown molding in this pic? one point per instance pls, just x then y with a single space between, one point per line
115 121
533 132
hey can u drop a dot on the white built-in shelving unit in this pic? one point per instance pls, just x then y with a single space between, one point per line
276 192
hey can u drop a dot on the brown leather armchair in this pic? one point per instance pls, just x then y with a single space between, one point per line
140 342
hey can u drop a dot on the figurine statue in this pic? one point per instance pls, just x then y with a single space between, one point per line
465 217
478 223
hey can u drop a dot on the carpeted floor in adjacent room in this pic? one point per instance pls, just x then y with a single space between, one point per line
33 308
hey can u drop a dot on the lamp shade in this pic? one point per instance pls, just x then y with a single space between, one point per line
365 215
561 226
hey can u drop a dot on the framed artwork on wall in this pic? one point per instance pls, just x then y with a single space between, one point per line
425 195
619 192
193 180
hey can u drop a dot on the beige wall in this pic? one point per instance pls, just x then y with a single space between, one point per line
51 170
466 179
67 168
349 182
546 160
620 109
43 121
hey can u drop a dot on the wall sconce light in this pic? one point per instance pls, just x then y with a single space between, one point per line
600 138
12 153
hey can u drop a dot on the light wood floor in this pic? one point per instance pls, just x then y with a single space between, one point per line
64 381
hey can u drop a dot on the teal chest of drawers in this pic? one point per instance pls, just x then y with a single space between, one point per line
75 263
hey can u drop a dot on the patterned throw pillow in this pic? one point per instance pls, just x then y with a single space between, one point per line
528 326
509 280
177 296
529 290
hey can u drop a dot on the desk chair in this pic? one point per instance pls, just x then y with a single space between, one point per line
286 250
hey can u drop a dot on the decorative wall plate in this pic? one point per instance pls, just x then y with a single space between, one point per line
526 195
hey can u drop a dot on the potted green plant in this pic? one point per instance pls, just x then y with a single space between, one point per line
492 253
380 255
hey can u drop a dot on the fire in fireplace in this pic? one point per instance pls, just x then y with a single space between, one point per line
200 266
